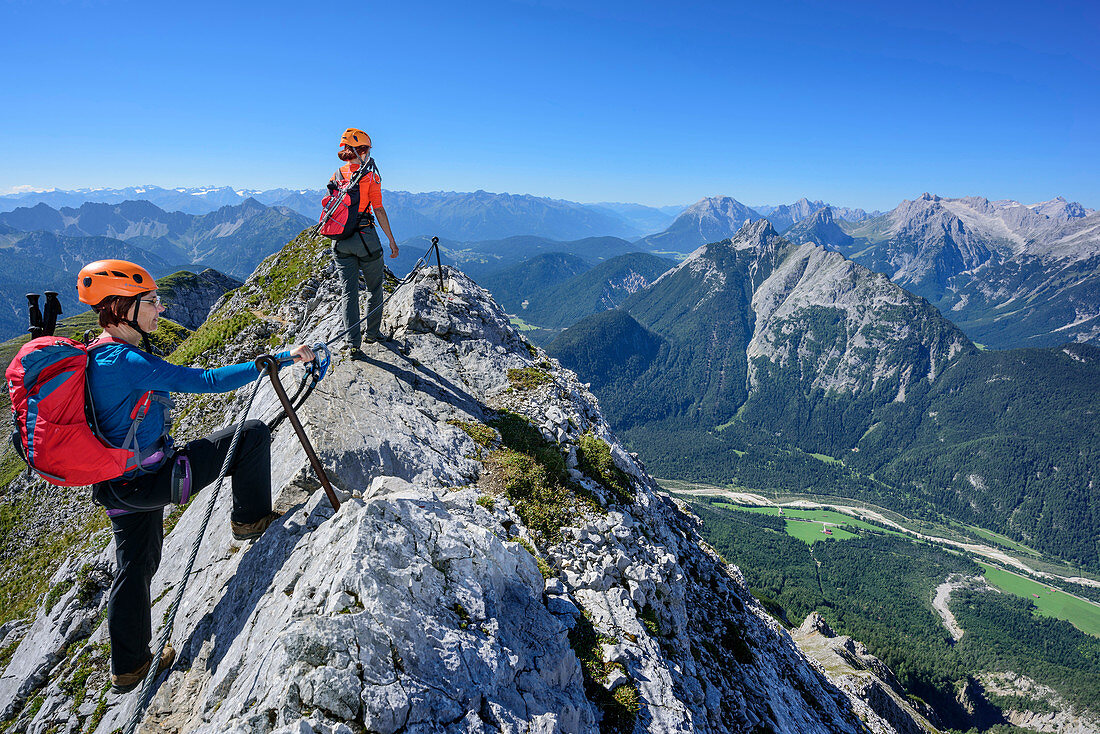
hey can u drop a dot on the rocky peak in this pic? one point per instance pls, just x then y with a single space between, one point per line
188 297
756 235
814 622
1059 209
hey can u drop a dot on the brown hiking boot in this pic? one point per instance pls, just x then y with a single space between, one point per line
129 681
252 530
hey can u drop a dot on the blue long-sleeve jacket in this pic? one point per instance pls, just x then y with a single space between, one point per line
119 374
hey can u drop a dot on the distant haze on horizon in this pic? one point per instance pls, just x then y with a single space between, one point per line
857 104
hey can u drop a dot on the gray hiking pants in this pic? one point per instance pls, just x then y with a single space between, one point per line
361 253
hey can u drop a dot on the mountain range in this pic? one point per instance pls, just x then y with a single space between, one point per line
44 248
755 346
784 215
232 239
1010 275
478 215
473 216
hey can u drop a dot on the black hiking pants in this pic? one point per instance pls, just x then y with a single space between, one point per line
139 534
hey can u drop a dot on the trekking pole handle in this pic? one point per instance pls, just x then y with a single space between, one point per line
270 365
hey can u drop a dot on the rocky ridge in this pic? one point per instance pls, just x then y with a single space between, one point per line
434 599
863 675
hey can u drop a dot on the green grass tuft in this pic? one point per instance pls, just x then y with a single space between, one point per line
24 575
56 592
648 615
482 434
528 378
294 264
620 709
544 567
211 336
535 478
594 459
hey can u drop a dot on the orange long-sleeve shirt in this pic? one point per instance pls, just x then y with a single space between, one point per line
370 186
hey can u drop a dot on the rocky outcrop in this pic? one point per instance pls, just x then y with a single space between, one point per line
188 297
438 598
846 328
1030 705
850 667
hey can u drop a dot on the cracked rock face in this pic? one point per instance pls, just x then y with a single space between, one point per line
188 297
418 606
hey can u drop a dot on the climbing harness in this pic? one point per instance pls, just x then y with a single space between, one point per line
166 632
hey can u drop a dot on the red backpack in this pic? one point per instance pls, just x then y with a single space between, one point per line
340 209
53 421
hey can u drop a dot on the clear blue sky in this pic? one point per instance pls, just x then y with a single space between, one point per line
860 104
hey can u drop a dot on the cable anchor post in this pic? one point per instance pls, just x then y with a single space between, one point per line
438 263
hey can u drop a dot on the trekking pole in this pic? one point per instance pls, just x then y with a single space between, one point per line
35 315
53 308
438 262
270 365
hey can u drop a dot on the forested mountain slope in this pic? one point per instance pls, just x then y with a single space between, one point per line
754 347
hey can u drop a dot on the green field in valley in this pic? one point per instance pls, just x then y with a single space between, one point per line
520 324
806 524
1082 614
829 516
811 532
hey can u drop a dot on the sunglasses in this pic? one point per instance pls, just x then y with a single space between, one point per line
155 300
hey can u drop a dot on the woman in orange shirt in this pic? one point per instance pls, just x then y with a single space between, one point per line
363 252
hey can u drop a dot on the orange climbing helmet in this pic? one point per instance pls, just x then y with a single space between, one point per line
104 278
353 137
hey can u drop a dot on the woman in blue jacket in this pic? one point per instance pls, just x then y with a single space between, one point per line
125 381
